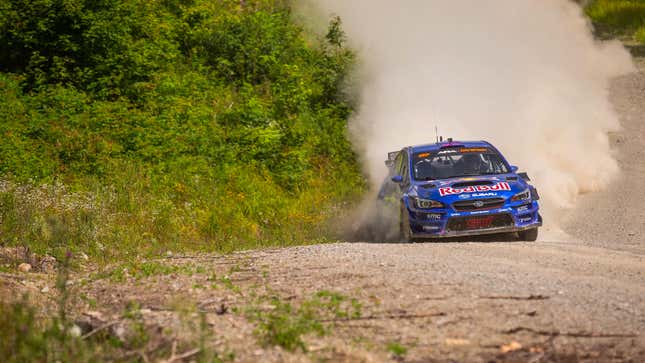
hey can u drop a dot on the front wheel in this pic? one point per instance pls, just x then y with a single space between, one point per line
529 235
405 234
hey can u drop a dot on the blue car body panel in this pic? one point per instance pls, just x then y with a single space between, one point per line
472 205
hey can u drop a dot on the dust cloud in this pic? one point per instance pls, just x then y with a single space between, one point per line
525 75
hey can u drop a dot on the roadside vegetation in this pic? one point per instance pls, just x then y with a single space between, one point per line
619 18
132 127
132 332
285 325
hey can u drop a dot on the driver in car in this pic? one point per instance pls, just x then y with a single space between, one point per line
469 164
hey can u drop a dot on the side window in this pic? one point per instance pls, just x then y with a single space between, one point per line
405 173
398 164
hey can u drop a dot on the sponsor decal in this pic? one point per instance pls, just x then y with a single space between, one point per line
523 208
481 212
463 196
474 189
474 150
448 151
434 217
479 195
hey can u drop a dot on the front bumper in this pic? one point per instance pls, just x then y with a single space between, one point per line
437 223
477 232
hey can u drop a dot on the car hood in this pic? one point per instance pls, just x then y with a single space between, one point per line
472 187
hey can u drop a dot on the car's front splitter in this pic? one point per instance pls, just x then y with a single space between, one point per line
476 232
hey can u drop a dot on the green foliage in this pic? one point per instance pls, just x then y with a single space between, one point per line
337 304
285 325
147 126
105 46
619 17
640 35
397 349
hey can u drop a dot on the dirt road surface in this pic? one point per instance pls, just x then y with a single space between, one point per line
577 296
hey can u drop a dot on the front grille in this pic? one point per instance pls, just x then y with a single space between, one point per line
478 204
479 222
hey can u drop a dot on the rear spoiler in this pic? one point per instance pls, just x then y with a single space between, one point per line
391 156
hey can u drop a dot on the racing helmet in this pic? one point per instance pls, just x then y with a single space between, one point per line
471 162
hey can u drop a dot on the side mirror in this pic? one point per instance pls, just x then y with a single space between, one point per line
524 176
397 179
514 168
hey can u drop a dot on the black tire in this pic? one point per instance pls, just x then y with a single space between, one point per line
529 235
405 235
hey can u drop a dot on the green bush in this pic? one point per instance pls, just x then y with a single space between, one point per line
640 35
169 125
619 17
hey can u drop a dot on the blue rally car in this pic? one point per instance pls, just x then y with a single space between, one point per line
450 189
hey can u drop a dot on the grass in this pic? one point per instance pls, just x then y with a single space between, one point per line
131 220
619 17
397 350
286 325
28 336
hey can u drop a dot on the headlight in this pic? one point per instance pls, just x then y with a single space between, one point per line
426 203
525 195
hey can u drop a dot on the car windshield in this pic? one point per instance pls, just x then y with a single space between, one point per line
457 162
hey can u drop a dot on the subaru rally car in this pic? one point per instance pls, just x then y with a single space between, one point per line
450 189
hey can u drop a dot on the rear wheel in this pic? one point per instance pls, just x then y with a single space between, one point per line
405 234
529 235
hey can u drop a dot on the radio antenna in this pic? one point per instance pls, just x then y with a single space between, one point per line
436 133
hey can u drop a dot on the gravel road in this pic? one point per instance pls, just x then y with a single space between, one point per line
577 297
